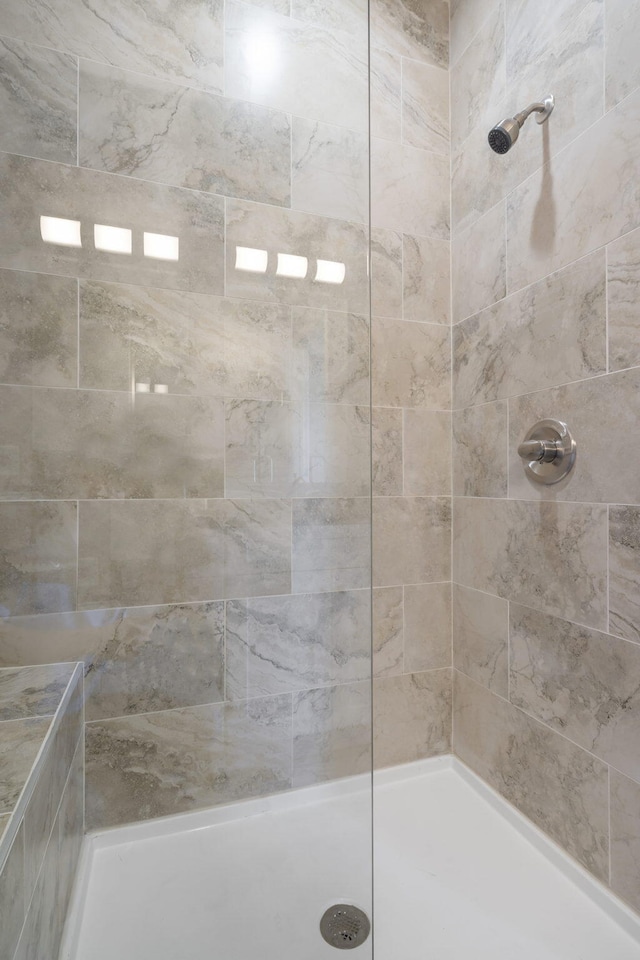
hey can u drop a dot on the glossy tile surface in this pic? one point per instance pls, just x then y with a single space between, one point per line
20 741
32 691
412 717
481 638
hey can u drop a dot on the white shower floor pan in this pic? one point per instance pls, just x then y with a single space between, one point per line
459 875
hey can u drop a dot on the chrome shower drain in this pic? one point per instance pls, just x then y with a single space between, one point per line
344 926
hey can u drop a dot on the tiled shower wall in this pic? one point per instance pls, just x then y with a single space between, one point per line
546 308
185 448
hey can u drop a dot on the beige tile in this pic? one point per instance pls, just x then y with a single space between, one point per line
481 638
38 557
387 452
425 106
179 760
409 190
427 453
12 898
624 572
426 280
20 741
560 787
412 29
330 356
623 297
573 204
622 31
410 364
601 413
467 16
33 691
145 552
29 187
550 333
387 273
412 717
71 829
280 644
411 540
331 733
349 15
427 627
38 102
385 92
331 545
480 450
550 556
478 77
479 264
625 839
330 170
42 931
141 127
388 631
38 329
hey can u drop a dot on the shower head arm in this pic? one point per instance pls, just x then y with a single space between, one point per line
542 109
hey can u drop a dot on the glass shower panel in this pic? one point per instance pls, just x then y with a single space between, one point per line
186 491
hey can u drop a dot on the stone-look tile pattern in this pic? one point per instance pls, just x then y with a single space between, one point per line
329 171
12 896
624 572
138 126
481 638
425 107
20 741
426 279
623 295
411 540
412 29
480 450
330 356
559 786
412 717
38 329
385 93
387 450
410 364
625 842
332 734
32 691
387 268
478 256
622 26
427 453
466 18
331 545
410 189
427 626
38 91
478 78
388 632
547 555
196 757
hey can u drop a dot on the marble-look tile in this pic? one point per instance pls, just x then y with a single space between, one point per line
71 444
411 364
387 274
329 170
71 828
155 658
427 453
411 28
38 329
551 556
30 189
478 77
53 637
586 197
625 838
622 31
623 297
33 691
336 451
478 256
38 102
20 741
602 413
305 235
177 41
412 717
12 897
331 733
141 127
192 343
4 821
425 106
466 18
559 786
388 631
42 931
478 175
280 644
330 356
624 572
385 92
409 190
427 626
38 557
133 553
387 466
480 450
481 638
550 333
351 15
578 681
426 280
300 53
331 545
178 760
411 540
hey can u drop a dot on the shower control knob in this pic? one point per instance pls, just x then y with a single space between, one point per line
548 451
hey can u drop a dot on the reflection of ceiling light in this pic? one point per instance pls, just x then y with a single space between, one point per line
58 230
142 387
113 239
292 266
329 271
253 261
262 55
161 388
161 247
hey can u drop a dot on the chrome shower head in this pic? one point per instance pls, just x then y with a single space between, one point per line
503 136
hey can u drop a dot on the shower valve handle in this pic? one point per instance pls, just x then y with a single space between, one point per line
548 451
542 451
